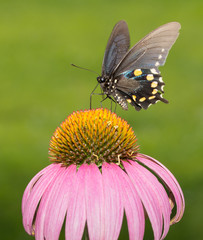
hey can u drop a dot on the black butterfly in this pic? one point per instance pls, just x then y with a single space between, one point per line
132 75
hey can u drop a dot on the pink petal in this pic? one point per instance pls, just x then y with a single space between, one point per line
58 199
162 197
113 210
132 204
94 201
32 183
34 192
76 212
146 186
170 182
44 206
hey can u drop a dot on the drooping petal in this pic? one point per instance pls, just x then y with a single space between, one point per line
32 183
94 201
113 207
145 182
76 209
132 204
161 194
33 193
169 181
57 201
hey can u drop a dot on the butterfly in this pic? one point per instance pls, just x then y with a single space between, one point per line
132 75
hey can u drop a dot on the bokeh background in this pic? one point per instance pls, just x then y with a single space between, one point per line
38 89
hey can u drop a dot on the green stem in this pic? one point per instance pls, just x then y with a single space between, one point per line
86 235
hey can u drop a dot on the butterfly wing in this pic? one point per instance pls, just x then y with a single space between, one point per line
151 51
138 79
117 46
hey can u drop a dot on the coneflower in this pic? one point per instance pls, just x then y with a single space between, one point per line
96 176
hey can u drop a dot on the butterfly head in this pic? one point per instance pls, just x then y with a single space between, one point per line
101 79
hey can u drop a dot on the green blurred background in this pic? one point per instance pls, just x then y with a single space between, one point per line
39 88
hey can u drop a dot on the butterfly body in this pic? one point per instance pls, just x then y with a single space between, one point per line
132 76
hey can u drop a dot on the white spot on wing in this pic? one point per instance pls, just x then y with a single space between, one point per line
157 64
162 50
160 56
153 70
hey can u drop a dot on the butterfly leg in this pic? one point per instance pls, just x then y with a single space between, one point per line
92 93
112 100
111 106
102 93
103 100
115 107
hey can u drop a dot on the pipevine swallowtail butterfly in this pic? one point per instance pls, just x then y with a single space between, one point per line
132 75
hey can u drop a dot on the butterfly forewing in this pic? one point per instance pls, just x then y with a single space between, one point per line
116 48
151 51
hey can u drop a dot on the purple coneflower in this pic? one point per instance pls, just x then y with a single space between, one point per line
96 176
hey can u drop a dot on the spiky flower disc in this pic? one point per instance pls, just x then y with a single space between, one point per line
92 136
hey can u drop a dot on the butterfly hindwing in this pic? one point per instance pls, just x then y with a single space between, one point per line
141 87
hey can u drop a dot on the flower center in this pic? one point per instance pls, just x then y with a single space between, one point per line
92 136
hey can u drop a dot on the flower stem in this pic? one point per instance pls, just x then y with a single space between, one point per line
86 235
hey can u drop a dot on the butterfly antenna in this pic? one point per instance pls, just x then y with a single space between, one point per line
84 69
